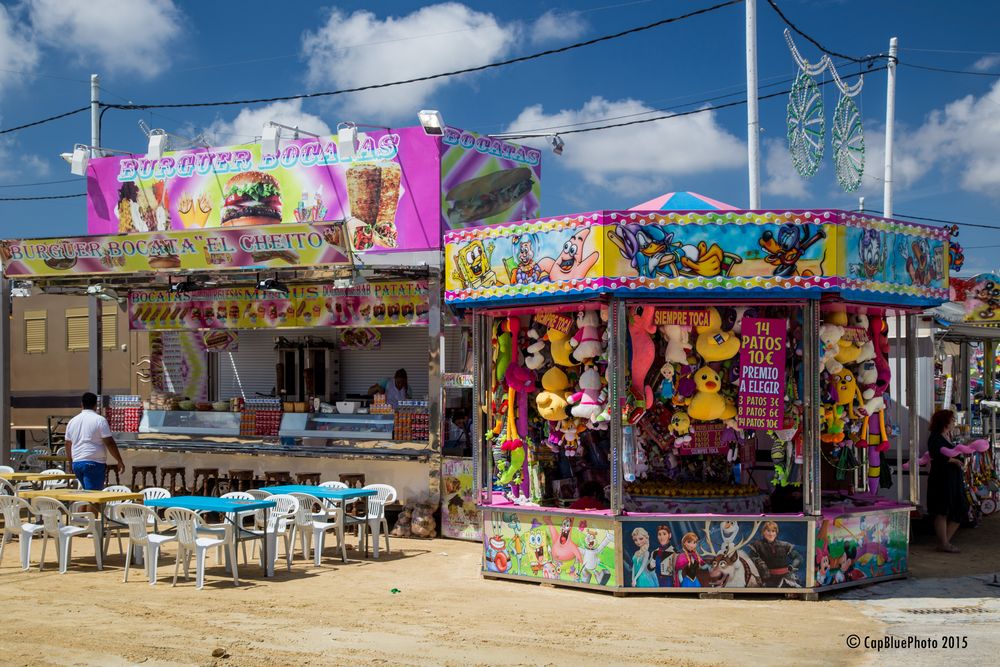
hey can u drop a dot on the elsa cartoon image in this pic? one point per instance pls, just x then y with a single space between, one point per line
642 577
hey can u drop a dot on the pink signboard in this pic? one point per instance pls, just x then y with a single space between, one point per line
388 192
762 374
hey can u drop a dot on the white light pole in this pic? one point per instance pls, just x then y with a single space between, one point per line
890 119
753 120
95 357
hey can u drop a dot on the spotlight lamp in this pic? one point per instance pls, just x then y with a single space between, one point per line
157 144
431 121
557 144
347 140
269 139
272 285
79 159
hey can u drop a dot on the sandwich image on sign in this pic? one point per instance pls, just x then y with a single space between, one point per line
251 198
485 196
373 191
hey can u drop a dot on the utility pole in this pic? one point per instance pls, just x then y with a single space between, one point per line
753 120
890 120
95 356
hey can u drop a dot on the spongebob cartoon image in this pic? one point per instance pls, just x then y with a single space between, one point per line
473 265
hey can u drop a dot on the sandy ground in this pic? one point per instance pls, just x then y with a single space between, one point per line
443 614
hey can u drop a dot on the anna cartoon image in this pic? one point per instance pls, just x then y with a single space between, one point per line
688 563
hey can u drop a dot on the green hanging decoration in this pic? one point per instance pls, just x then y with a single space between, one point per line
806 125
848 136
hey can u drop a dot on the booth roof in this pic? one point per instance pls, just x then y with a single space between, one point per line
683 201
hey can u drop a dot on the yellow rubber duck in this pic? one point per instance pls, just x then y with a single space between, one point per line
713 343
708 404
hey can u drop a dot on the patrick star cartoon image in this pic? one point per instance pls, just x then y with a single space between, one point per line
571 263
563 548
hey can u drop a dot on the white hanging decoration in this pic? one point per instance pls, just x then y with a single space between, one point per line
806 120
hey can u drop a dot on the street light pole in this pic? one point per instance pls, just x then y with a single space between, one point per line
95 355
753 120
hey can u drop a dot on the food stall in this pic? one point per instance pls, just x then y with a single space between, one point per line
273 291
692 399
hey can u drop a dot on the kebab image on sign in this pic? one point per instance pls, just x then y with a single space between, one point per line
485 196
373 192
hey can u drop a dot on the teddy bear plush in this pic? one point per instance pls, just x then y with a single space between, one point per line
678 342
588 402
551 401
586 341
535 357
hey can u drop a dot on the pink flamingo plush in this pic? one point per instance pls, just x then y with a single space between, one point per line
641 330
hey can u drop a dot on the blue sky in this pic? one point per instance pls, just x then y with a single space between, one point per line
948 125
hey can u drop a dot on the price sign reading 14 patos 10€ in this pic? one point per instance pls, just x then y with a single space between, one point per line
762 374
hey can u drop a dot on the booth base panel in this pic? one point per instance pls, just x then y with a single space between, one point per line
792 555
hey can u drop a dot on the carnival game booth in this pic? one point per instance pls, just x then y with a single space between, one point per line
722 376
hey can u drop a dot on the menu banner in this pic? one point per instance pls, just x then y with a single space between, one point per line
203 250
762 374
385 304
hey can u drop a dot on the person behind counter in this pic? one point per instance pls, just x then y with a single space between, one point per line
88 443
396 390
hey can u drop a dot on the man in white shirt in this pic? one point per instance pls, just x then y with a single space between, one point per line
88 442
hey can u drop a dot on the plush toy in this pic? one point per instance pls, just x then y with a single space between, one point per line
587 339
832 423
708 404
504 350
680 424
714 344
847 350
685 388
678 342
667 383
880 339
829 336
844 388
517 377
588 402
641 330
512 445
571 436
551 402
560 348
535 357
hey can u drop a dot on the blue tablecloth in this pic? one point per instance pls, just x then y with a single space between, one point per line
322 491
211 504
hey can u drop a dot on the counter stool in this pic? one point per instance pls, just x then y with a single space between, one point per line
108 472
174 473
144 474
310 478
275 478
240 480
205 482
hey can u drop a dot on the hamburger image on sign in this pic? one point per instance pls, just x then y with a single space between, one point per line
251 198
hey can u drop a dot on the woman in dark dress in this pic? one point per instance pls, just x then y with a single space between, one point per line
946 500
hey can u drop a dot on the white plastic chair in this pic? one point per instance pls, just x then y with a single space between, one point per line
309 524
111 523
257 494
6 488
59 523
11 508
60 451
31 461
188 525
238 519
154 493
280 521
137 519
375 521
333 506
5 469
55 483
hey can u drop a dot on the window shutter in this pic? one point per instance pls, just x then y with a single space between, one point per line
35 325
109 326
77 330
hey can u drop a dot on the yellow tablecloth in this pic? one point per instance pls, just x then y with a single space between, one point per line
77 496
35 477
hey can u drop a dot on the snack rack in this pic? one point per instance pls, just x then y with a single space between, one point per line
124 412
412 421
261 417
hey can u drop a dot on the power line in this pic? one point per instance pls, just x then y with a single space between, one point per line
43 197
938 220
29 185
45 120
949 71
795 28
430 77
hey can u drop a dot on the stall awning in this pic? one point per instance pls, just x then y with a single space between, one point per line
723 254
683 201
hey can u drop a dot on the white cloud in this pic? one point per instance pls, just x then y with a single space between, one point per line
18 52
18 166
247 125
553 25
632 157
987 63
780 177
130 37
357 49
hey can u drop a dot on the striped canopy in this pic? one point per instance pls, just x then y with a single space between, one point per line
683 201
